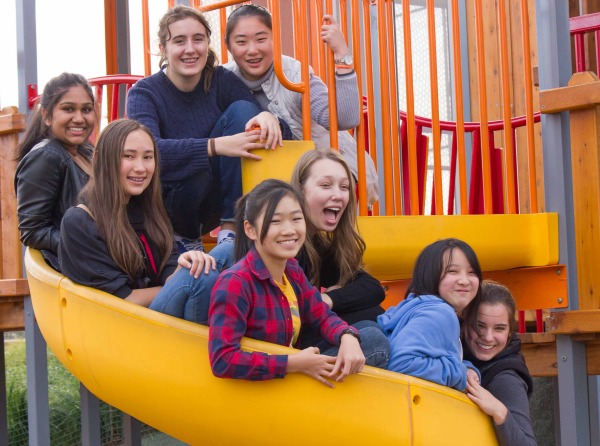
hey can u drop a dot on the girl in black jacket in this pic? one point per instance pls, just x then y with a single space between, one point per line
54 161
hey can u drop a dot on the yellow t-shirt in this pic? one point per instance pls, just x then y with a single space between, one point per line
290 294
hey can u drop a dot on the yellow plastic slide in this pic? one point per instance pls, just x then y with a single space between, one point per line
155 368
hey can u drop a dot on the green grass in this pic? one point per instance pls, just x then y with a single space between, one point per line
63 396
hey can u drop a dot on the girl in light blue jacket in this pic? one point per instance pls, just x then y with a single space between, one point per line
424 329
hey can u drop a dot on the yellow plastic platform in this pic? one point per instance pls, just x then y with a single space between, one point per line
155 368
501 242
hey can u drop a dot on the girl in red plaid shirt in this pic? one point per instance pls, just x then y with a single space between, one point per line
266 296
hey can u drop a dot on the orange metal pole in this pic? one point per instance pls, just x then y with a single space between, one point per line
333 121
529 107
485 147
146 37
410 112
316 55
218 5
360 130
509 195
370 87
302 56
460 115
223 23
395 128
435 111
385 113
110 33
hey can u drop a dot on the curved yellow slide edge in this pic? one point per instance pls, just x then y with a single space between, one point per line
155 368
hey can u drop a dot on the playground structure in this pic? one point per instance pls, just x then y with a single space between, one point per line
483 178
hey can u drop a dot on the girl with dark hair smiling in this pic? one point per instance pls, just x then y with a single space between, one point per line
424 329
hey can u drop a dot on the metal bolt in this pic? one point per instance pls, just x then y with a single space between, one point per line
558 272
560 300
564 358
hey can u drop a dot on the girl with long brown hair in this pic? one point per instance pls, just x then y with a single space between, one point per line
119 239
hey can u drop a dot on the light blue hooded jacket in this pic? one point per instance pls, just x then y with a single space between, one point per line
424 335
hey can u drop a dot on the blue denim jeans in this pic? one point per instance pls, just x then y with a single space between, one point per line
186 297
373 342
232 122
196 204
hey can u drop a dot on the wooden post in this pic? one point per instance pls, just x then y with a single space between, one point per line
11 123
582 98
12 285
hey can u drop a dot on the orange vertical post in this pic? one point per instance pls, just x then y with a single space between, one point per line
110 34
333 121
410 112
460 115
509 189
146 37
393 95
435 110
366 6
360 130
529 107
483 116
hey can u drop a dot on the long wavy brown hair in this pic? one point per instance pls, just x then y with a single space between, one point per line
176 14
345 240
107 201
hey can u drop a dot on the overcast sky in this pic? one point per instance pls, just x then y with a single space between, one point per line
70 37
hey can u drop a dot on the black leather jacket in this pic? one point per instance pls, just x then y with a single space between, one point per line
47 183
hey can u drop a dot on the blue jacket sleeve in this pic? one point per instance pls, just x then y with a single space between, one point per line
428 347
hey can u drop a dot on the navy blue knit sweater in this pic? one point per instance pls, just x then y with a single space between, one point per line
181 122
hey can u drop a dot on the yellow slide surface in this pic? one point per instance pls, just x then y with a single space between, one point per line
155 368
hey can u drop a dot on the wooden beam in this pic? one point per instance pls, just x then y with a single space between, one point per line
539 350
583 91
574 322
540 357
11 121
14 287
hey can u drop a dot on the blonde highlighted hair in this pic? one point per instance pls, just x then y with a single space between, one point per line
345 240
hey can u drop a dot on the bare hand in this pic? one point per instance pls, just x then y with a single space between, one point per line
332 35
487 402
327 300
350 358
195 261
239 145
472 374
312 364
270 131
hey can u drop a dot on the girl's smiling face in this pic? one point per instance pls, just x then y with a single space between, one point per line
285 235
326 194
72 119
251 45
138 163
491 332
186 52
459 282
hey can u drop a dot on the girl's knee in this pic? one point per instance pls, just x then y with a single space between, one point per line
244 110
